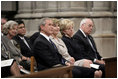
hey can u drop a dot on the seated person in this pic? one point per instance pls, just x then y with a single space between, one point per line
22 40
62 47
87 45
10 30
67 31
47 55
63 50
11 70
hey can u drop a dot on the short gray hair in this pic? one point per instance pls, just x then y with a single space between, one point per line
8 25
43 22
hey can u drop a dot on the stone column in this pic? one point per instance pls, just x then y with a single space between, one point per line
78 6
105 37
101 5
75 6
24 7
72 9
64 6
39 6
8 6
51 6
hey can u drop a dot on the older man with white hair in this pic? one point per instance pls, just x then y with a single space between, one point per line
86 43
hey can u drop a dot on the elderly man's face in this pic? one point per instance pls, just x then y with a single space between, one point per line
48 28
88 26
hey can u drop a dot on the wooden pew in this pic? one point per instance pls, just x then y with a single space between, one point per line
111 67
32 64
59 72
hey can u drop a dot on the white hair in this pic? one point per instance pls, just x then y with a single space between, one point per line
8 25
83 21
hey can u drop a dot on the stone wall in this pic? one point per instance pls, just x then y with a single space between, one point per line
103 13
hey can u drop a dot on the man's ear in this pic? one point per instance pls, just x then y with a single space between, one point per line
82 26
41 26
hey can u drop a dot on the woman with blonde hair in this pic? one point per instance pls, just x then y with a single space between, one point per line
62 47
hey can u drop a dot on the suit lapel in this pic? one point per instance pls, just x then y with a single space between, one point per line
86 42
83 38
21 41
46 41
28 42
53 50
93 43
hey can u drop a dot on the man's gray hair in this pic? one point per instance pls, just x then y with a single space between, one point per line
43 22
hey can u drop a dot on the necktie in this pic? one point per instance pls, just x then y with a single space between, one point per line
91 46
62 60
53 44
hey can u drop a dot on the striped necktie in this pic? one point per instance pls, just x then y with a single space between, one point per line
91 45
53 44
62 60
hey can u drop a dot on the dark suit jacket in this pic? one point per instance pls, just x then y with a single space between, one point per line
45 54
33 37
86 50
24 48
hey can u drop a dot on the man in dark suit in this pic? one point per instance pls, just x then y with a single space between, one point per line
33 37
22 40
86 43
47 55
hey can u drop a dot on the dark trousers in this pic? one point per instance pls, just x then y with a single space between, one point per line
102 68
82 72
5 71
25 64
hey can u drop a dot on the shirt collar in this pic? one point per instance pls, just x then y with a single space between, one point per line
44 35
21 37
83 32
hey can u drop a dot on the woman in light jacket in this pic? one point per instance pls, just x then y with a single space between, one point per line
10 30
64 51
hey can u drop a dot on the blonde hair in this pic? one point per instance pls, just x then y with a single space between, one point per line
65 24
8 25
55 21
